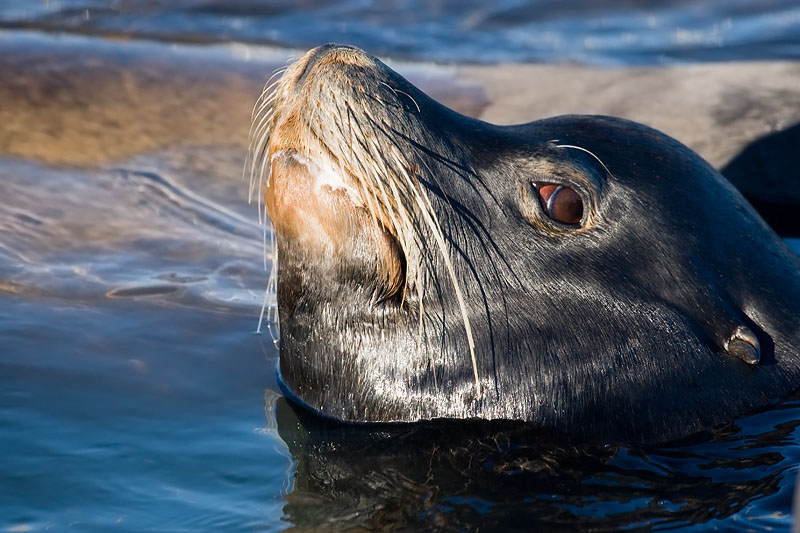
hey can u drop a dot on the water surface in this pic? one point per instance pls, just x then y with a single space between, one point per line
620 32
135 395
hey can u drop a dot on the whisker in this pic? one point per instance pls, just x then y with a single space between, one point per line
272 288
429 214
264 235
588 152
395 91
254 157
259 167
263 309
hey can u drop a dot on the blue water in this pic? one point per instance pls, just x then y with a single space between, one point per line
134 393
615 32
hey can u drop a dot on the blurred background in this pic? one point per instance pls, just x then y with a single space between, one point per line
610 32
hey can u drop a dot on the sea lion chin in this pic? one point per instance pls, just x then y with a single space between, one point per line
584 274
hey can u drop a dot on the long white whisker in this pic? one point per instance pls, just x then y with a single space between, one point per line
272 288
587 151
426 208
395 91
263 309
264 236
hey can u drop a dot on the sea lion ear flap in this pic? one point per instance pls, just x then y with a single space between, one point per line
744 345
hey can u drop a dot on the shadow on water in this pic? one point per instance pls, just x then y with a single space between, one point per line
498 476
767 173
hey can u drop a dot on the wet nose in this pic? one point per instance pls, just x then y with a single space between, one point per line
314 56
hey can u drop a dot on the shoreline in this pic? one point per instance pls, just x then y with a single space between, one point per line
88 101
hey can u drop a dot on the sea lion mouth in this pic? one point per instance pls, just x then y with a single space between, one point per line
311 205
313 193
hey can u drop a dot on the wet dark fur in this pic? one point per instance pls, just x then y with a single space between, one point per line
612 331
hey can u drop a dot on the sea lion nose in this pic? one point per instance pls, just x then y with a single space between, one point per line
338 52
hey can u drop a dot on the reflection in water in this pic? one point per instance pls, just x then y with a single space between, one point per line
100 233
460 476
131 385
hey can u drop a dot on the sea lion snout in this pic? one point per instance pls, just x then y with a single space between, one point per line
334 53
312 196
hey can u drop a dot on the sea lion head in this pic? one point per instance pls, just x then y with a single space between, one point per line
586 274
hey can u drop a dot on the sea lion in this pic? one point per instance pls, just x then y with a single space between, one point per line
584 274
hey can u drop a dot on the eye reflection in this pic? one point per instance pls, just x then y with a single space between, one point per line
560 203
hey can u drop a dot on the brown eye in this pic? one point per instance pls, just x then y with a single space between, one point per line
562 204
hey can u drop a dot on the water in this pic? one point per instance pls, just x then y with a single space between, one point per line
498 479
134 394
132 385
586 31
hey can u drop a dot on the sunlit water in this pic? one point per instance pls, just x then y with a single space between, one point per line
132 387
135 395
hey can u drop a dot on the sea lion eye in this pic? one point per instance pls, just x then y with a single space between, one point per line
562 204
